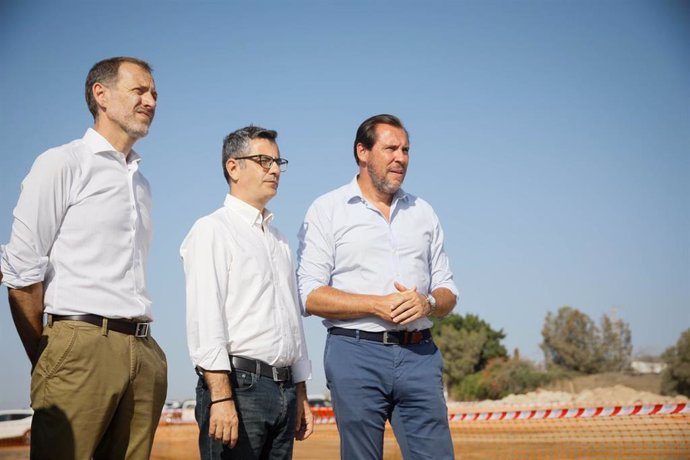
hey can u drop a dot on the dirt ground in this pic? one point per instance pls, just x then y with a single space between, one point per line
658 437
179 442
628 437
648 383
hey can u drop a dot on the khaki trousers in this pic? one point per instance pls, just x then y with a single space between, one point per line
95 393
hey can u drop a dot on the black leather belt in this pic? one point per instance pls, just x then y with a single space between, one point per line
277 374
118 325
385 337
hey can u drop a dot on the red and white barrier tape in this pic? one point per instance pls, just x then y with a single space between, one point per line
324 420
612 411
545 414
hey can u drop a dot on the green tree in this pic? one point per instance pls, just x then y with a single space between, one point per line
571 340
616 344
467 343
462 350
675 379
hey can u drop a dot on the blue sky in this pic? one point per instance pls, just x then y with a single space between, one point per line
552 138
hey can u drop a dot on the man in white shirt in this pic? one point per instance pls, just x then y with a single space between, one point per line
78 251
372 263
244 322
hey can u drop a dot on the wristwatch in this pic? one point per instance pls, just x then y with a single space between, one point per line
432 302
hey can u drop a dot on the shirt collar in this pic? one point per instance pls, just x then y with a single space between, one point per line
353 192
247 212
99 144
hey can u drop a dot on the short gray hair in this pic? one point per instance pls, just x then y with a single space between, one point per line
237 143
106 72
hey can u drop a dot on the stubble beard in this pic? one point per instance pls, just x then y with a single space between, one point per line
380 183
135 128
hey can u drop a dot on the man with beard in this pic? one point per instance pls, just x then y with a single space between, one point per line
372 263
78 252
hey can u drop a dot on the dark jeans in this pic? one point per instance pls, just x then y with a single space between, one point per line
371 382
266 411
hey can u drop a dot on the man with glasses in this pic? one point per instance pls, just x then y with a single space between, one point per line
372 263
244 324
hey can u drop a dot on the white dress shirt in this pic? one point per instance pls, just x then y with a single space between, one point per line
82 225
241 292
346 243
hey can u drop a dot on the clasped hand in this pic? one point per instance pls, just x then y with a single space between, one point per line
405 306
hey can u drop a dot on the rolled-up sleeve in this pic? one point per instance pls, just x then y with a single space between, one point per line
441 275
301 370
206 266
315 254
43 201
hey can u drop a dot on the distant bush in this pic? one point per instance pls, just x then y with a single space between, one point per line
515 377
675 379
556 373
500 378
471 388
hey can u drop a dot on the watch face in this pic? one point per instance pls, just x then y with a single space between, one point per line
432 301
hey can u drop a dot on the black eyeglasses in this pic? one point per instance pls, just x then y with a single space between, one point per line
266 162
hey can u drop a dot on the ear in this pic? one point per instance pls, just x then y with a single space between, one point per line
100 94
362 153
233 169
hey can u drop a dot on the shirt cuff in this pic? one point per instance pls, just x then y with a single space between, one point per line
448 285
212 359
14 276
305 289
301 371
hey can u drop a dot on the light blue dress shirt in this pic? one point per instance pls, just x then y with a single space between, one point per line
346 243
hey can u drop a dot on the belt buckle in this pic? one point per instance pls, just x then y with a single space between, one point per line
390 339
280 374
141 330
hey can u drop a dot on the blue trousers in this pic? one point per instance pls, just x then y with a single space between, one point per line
371 382
266 410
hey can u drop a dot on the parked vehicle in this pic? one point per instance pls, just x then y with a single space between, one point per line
317 401
188 406
172 412
15 425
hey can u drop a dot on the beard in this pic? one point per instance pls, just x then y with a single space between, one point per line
381 184
131 124
135 129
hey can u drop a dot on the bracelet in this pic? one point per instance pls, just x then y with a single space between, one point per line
229 398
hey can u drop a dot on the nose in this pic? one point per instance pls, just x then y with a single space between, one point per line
149 100
400 155
274 169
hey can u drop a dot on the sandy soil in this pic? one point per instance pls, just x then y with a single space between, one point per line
585 397
179 442
656 437
626 437
631 437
